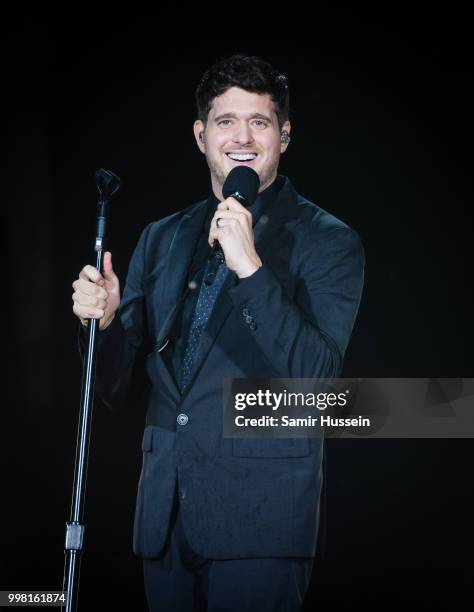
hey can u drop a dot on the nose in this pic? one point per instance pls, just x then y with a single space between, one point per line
242 133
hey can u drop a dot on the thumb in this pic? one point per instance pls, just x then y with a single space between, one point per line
107 266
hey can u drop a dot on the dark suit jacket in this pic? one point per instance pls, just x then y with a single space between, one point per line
239 497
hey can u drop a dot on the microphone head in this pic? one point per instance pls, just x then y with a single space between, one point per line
242 180
107 182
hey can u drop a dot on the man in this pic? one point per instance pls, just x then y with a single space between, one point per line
227 523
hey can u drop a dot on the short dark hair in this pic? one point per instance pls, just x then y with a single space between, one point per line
247 72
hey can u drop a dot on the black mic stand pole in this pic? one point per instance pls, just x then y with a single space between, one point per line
107 184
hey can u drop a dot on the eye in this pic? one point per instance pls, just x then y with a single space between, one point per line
225 122
260 124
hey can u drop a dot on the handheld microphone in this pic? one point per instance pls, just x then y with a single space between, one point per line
242 183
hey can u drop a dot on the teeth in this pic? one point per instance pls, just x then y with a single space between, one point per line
242 157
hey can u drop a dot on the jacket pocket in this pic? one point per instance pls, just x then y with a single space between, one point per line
270 448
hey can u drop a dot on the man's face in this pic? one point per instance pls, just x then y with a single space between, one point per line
242 129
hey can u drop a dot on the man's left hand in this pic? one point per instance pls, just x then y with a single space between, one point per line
235 235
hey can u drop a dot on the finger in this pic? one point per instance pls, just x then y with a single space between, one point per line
223 214
89 273
86 312
84 286
212 235
232 204
236 214
89 300
218 233
229 222
243 214
107 265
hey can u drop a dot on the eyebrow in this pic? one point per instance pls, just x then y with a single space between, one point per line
234 116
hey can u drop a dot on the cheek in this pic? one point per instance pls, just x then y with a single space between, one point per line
271 144
216 142
271 149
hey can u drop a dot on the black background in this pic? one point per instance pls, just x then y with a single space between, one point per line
379 138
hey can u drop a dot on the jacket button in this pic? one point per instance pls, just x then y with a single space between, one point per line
182 419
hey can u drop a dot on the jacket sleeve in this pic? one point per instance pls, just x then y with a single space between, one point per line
124 341
305 335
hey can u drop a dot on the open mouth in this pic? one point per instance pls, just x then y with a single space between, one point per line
242 158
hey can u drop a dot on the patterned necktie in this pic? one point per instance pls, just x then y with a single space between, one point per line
205 303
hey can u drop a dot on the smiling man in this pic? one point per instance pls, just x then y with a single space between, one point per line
242 128
227 523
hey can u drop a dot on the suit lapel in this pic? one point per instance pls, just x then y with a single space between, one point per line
169 289
270 239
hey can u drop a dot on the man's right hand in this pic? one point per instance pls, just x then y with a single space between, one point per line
96 295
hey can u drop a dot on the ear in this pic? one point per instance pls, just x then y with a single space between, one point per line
284 145
199 127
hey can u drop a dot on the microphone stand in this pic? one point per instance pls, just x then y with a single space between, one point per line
107 184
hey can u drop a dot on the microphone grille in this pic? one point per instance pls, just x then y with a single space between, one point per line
243 180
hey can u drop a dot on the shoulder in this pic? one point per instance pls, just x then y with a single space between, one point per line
316 227
171 222
162 231
323 229
320 235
